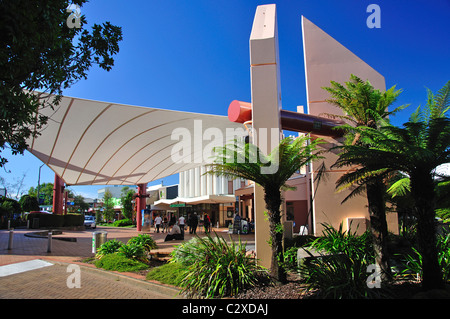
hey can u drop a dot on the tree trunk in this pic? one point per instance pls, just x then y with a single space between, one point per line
272 197
378 226
422 189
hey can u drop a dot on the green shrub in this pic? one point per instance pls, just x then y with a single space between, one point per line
133 251
341 271
218 269
73 220
290 258
109 247
123 223
52 220
339 277
145 240
171 273
187 252
413 263
117 262
443 213
337 241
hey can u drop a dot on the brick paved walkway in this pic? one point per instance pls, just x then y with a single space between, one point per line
51 282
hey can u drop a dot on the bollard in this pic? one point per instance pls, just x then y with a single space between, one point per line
98 238
11 237
49 245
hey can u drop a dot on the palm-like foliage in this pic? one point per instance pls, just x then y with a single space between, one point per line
437 105
415 149
363 105
239 160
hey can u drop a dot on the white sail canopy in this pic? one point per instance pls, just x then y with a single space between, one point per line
88 142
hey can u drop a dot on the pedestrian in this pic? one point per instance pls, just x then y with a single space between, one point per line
158 222
193 222
181 224
165 225
207 223
175 233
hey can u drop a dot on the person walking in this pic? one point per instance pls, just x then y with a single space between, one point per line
207 223
193 222
158 221
165 225
181 224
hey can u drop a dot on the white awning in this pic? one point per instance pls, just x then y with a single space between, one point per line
88 142
206 199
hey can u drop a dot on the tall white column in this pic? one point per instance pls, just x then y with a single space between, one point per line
181 186
197 181
217 185
203 181
224 185
210 184
191 183
266 105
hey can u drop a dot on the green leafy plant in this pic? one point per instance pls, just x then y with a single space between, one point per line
110 247
338 241
134 251
145 240
413 263
123 223
290 259
339 277
171 273
187 253
218 269
340 272
117 262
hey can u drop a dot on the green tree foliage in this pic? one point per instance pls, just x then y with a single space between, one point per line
363 105
40 54
79 205
9 207
415 149
108 206
29 203
248 162
45 190
126 201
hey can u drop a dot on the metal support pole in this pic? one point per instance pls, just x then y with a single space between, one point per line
11 237
49 245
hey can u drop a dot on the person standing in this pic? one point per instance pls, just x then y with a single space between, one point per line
158 221
181 224
207 223
193 222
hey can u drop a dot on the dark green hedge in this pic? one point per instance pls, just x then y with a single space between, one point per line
50 220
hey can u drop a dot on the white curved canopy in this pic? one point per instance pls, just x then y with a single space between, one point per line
88 142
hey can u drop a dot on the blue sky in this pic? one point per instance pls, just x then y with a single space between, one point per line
194 56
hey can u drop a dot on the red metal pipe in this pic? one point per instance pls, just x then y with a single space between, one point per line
141 199
58 190
241 112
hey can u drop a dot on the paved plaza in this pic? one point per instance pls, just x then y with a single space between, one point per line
30 272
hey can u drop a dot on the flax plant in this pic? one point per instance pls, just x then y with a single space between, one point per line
217 268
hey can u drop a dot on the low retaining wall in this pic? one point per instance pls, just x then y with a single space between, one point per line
44 234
